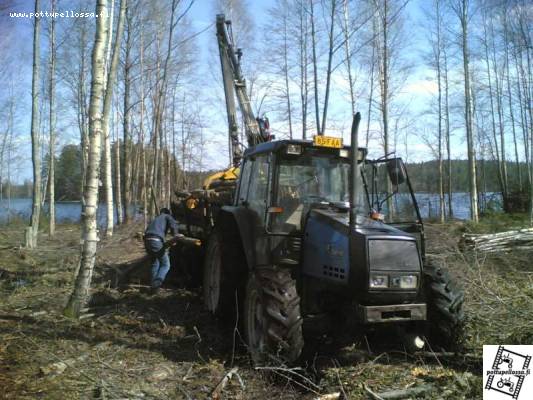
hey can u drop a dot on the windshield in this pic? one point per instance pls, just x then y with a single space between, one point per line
397 205
309 179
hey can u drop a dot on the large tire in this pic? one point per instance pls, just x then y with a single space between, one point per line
272 319
445 308
218 290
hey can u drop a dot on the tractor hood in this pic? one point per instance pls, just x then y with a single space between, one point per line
365 226
348 259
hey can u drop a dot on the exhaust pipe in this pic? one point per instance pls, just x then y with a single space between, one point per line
354 171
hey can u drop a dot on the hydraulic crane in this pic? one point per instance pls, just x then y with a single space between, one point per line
255 129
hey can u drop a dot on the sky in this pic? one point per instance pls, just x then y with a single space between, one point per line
417 91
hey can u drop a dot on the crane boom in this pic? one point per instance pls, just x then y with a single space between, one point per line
234 81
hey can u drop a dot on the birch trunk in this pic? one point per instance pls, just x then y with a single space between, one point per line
80 294
510 99
499 109
118 183
315 67
126 121
348 52
32 231
371 82
492 112
448 137
51 174
462 13
439 84
144 194
82 114
111 75
304 84
286 73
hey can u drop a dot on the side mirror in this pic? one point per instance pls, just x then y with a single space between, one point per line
396 170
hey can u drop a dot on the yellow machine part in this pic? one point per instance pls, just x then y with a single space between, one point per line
230 174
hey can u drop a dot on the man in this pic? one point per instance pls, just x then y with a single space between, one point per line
154 239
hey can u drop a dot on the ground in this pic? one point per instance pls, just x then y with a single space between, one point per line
130 344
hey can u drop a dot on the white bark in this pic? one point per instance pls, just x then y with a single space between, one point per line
80 294
111 75
461 9
51 174
31 237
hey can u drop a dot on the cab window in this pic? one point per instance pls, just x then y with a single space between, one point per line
258 188
244 182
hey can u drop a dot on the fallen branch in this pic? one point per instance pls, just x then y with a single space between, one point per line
402 393
216 393
329 396
59 367
371 394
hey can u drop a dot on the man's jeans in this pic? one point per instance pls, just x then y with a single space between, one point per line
160 263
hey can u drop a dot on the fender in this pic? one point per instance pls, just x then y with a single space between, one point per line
240 219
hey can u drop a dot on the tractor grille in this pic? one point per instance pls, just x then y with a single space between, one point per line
395 255
334 272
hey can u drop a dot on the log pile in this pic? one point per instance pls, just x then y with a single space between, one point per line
521 239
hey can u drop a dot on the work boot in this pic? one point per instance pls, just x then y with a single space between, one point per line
156 285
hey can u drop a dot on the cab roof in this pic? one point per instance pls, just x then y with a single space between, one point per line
277 145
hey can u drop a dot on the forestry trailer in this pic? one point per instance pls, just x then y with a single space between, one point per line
305 237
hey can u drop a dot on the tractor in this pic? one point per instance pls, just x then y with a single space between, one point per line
315 235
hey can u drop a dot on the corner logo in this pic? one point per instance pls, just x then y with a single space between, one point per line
506 372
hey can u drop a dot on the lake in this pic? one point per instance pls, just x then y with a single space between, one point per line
70 211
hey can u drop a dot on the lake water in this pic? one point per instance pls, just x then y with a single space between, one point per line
70 211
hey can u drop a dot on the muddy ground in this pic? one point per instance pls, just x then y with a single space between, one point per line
134 345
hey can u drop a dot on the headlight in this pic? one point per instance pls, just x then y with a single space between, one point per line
379 281
408 282
294 149
384 281
404 282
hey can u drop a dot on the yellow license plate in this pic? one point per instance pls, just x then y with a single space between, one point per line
327 141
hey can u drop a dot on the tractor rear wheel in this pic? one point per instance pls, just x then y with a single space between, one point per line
272 319
217 290
445 307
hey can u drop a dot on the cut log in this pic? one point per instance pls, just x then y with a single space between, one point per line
521 239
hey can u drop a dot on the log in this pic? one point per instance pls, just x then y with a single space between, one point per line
521 239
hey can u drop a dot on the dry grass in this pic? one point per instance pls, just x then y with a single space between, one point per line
137 346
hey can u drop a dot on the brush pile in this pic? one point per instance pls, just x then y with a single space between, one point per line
521 239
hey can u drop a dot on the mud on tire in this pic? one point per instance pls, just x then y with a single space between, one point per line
272 319
445 308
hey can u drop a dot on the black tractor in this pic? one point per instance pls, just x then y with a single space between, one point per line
318 235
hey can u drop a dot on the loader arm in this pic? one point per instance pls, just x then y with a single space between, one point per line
235 83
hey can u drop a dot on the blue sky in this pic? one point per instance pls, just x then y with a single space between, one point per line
417 91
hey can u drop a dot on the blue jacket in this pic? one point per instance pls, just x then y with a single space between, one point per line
161 225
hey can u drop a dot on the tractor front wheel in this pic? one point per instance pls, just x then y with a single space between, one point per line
445 308
272 319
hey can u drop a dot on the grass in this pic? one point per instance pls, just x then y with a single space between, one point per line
498 222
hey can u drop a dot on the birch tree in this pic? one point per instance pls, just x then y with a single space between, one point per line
32 231
52 125
461 9
80 294
111 75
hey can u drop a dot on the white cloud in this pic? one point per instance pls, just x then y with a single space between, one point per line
421 87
